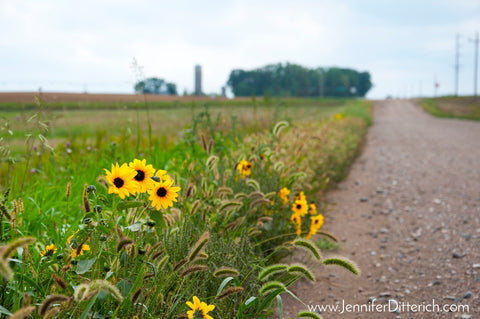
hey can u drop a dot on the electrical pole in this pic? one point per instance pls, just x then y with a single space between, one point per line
457 64
475 68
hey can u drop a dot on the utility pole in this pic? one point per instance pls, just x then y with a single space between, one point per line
457 63
475 68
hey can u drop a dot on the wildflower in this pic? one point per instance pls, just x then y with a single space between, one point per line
163 194
313 209
244 168
301 196
338 116
77 250
300 207
316 224
283 194
144 174
122 180
297 221
199 309
49 250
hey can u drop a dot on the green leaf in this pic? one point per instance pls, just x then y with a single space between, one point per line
280 308
124 286
84 265
135 227
129 204
5 311
87 309
223 284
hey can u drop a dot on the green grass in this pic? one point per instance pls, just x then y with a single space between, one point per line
465 107
248 226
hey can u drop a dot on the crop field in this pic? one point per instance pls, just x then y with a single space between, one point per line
180 208
465 107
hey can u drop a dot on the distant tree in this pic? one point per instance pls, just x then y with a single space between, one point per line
295 80
155 86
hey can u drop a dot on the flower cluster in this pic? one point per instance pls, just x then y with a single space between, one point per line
137 177
301 208
244 168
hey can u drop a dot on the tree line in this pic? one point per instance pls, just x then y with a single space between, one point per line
296 80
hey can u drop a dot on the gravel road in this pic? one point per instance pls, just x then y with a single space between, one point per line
409 216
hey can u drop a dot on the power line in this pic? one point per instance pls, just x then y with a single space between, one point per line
457 61
475 68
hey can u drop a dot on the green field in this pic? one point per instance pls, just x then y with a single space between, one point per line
223 239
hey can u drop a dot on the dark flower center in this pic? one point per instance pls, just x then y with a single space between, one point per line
161 192
198 314
118 182
140 176
249 166
299 206
49 252
316 222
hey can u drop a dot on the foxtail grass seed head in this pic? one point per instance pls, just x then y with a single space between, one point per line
59 281
309 246
229 205
211 162
68 189
258 201
51 313
49 301
136 295
344 263
86 203
109 287
271 270
204 142
80 292
270 286
22 313
4 212
210 146
179 264
229 291
195 206
190 191
119 233
225 272
123 243
302 269
253 184
192 270
163 262
197 248
20 242
256 194
277 129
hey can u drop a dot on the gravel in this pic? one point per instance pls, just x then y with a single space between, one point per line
422 175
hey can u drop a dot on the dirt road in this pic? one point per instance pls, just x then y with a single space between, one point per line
409 216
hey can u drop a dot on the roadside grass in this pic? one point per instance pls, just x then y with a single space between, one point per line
221 241
465 107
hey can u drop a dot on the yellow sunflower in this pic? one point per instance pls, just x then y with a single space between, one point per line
163 194
300 207
283 194
122 180
338 116
244 168
77 250
296 219
313 209
199 310
144 174
49 250
301 196
315 225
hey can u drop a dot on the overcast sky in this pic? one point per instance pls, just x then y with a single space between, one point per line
87 45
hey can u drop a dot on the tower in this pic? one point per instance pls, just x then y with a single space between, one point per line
198 80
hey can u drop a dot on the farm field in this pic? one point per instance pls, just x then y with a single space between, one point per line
168 211
465 107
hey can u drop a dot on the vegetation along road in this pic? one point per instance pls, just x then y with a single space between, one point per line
408 215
